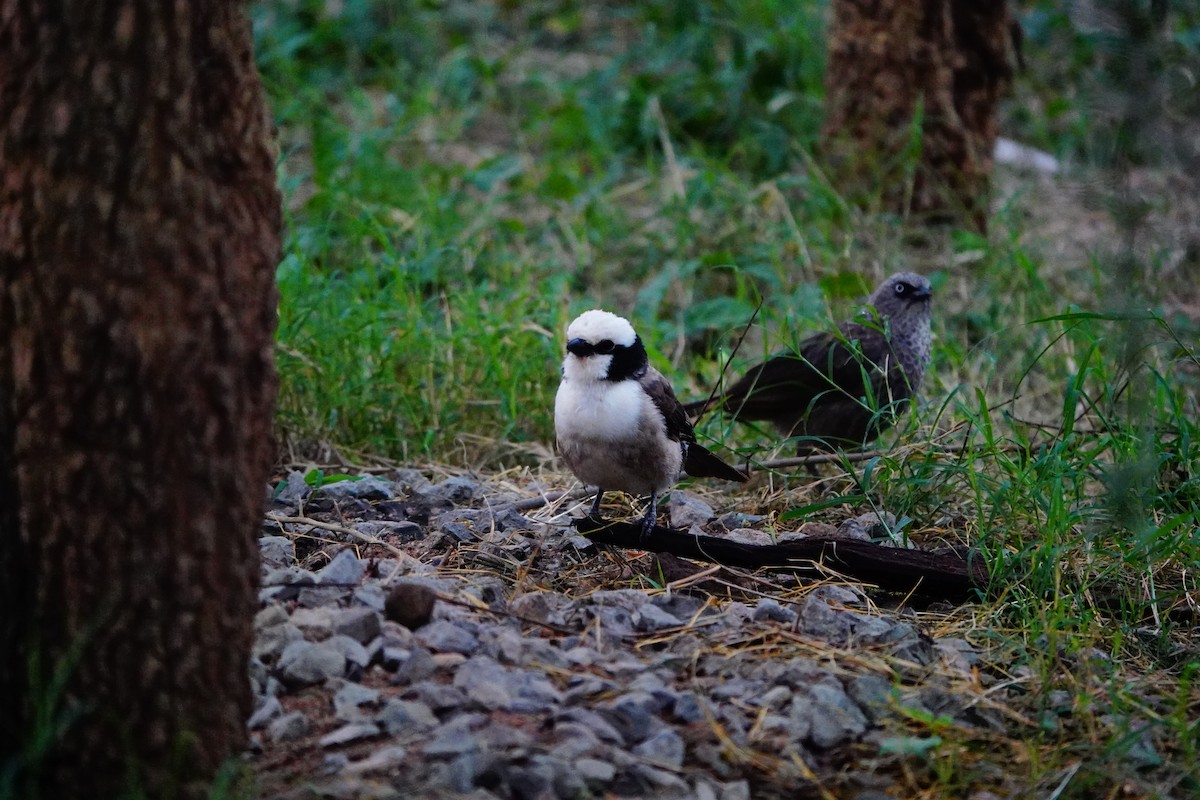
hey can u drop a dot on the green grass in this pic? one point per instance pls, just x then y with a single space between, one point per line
463 178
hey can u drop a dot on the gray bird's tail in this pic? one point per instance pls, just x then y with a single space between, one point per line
698 407
700 463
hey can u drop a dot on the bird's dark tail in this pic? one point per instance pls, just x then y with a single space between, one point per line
700 463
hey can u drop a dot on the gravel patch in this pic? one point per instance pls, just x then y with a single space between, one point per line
495 658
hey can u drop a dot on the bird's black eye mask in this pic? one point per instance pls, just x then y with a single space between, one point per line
583 348
628 361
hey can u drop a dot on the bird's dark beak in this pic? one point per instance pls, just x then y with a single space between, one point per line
580 347
920 293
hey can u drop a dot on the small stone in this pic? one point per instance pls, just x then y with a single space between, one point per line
367 487
360 624
835 719
736 790
774 698
348 699
444 636
687 510
320 596
407 716
770 609
689 708
664 747
267 711
633 714
277 551
294 489
353 652
346 569
548 608
269 643
289 726
871 526
452 742
382 760
454 491
410 604
315 623
306 663
651 618
353 732
595 771
417 664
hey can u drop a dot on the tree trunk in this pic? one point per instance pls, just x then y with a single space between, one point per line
912 88
139 233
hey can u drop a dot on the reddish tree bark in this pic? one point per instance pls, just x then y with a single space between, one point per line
924 73
139 233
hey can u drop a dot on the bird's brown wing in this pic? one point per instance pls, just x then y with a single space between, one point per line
697 460
679 427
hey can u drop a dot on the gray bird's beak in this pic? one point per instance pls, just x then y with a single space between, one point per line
922 294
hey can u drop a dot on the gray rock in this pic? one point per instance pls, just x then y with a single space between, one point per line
443 636
353 652
267 711
660 779
406 716
294 490
352 732
348 700
320 596
633 714
372 595
289 726
548 608
835 719
664 747
344 570
455 491
269 643
384 759
871 693
870 526
533 782
400 532
597 773
451 741
690 707
277 551
306 663
410 481
591 721
687 510
410 665
770 609
736 790
437 696
366 487
774 698
573 740
651 618
360 624
315 623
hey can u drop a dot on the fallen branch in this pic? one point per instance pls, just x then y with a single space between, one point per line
941 575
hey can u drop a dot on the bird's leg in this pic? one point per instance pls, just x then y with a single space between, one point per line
648 522
595 512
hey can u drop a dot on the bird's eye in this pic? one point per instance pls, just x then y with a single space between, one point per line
604 347
901 288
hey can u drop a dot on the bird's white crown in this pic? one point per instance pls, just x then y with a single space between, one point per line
597 325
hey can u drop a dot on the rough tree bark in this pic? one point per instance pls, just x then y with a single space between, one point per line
139 233
924 72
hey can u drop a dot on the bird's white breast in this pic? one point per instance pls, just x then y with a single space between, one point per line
598 410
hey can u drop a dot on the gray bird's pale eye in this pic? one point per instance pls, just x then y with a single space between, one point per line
901 288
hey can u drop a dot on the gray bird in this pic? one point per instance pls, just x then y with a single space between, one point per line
617 421
843 387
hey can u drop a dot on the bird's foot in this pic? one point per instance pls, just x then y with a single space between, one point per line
647 529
